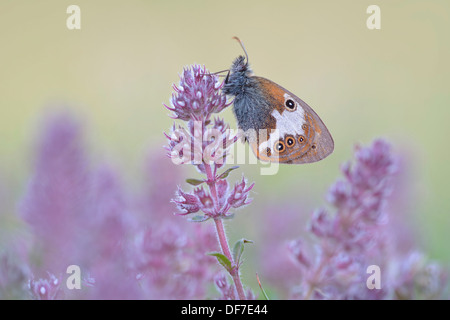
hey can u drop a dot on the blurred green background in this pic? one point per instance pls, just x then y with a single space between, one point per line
118 69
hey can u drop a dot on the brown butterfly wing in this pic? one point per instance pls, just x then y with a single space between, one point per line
301 137
321 143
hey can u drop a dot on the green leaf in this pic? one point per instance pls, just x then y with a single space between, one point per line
198 218
228 216
227 172
222 259
262 289
238 249
194 182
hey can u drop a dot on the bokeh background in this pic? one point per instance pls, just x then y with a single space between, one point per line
117 71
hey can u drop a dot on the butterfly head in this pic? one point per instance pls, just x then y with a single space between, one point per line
238 77
240 64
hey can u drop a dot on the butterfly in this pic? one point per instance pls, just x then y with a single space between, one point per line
279 126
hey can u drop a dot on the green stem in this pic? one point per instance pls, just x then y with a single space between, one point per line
234 272
226 251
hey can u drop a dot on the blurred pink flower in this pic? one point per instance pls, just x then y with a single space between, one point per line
127 246
169 260
58 195
46 288
357 236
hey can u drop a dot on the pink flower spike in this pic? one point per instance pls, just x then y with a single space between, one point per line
205 144
239 196
186 202
197 96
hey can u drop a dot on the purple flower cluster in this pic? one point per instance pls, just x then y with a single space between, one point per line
197 96
57 198
127 246
359 199
356 237
45 288
200 143
175 267
200 199
206 144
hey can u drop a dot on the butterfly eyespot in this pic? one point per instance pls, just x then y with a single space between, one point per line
290 104
279 146
304 127
301 139
268 152
313 146
290 141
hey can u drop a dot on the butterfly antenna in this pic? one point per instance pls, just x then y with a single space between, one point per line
222 71
216 73
243 48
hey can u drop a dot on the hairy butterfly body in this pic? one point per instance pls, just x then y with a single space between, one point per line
279 126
